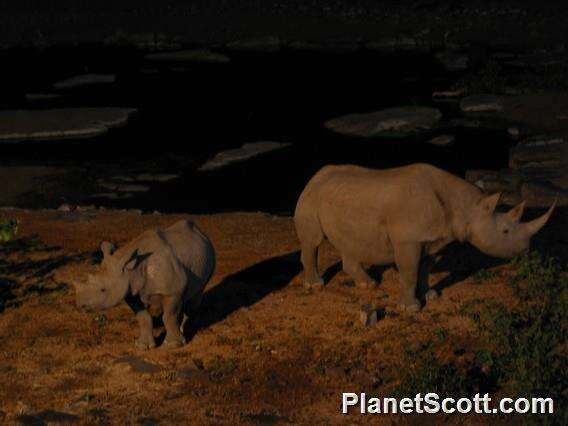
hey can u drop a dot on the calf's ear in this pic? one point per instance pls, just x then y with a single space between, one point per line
135 267
107 248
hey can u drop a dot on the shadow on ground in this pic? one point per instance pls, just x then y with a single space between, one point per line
247 287
27 266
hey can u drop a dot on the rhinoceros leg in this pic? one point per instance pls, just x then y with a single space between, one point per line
407 258
310 262
146 338
172 307
356 271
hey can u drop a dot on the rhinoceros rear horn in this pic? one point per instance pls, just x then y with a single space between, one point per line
516 212
107 248
535 225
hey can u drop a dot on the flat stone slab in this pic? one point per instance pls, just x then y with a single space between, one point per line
200 56
85 80
63 123
495 181
391 122
42 97
543 194
442 140
453 61
247 151
539 152
112 196
158 177
539 60
481 103
448 94
393 44
268 44
329 46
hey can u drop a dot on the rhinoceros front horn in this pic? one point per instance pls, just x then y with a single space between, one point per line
535 225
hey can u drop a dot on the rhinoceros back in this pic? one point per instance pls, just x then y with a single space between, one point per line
192 248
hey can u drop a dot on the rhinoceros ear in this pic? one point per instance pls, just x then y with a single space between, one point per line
135 267
107 248
489 203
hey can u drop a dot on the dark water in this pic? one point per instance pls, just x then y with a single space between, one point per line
189 112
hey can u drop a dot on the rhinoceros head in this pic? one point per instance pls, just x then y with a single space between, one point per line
502 234
111 283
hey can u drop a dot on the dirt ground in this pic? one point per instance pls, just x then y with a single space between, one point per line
266 350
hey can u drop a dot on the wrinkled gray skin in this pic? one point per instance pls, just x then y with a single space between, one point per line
398 215
161 270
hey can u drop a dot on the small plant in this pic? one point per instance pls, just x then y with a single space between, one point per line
485 275
8 229
527 355
441 333
426 372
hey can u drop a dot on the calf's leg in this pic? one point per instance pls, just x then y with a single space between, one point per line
172 308
146 337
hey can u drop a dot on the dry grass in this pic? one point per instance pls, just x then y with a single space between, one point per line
267 350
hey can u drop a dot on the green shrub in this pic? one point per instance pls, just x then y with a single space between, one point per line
8 229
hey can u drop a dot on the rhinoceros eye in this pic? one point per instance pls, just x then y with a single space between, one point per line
103 290
505 231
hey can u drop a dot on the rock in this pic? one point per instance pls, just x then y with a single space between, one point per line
453 61
268 44
148 177
543 152
392 44
510 198
481 103
543 194
85 80
111 196
152 41
448 94
63 123
200 56
393 122
491 181
248 150
329 46
517 132
42 97
138 365
89 208
539 60
132 188
443 140
65 208
121 178
368 315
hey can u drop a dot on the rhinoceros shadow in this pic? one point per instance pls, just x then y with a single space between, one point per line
246 287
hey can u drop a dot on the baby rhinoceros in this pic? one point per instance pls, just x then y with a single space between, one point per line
396 215
164 270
